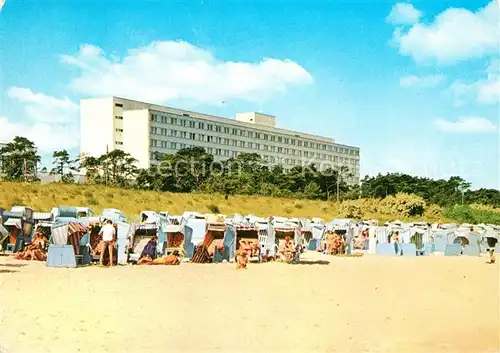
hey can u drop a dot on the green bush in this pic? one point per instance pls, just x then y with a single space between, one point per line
351 209
404 205
468 214
433 212
312 191
298 205
214 209
92 201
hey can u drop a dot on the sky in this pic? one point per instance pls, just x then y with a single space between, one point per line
415 85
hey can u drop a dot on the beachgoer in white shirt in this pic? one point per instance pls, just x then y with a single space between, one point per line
108 241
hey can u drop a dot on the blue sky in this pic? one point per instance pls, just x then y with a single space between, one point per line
416 86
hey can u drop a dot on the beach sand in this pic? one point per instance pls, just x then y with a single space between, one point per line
367 304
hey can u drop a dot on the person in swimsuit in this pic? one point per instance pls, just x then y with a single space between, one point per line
108 234
395 240
242 255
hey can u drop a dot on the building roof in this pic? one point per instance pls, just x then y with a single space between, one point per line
225 120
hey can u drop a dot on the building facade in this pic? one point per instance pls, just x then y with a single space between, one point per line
143 130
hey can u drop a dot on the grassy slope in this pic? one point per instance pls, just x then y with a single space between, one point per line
43 197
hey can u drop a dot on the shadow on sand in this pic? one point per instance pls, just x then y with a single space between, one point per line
309 262
7 271
12 265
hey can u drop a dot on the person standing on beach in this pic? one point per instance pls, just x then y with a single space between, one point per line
108 234
491 256
395 240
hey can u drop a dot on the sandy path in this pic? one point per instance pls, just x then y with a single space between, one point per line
432 304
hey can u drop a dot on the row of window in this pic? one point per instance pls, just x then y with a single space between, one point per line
176 145
234 154
202 125
226 141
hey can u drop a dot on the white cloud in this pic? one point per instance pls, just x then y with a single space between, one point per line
46 137
489 91
167 70
423 81
486 91
466 125
51 123
404 14
43 108
2 2
455 34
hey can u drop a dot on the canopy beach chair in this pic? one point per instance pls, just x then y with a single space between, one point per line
69 244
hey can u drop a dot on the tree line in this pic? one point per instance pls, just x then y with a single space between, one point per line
194 170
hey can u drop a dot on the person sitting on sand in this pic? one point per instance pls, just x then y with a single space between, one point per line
266 257
149 252
108 235
36 249
338 244
255 249
330 242
287 251
242 255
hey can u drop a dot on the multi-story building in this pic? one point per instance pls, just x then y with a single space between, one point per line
144 129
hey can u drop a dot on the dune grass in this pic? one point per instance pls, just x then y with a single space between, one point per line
43 197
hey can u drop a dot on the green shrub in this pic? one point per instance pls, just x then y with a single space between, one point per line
433 212
351 209
92 201
403 205
214 208
312 191
298 205
468 214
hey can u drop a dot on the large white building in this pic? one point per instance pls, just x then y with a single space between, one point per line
142 129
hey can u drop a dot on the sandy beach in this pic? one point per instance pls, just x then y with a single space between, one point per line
367 304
